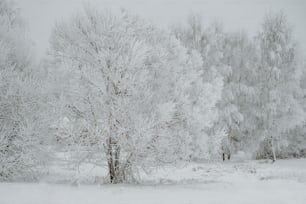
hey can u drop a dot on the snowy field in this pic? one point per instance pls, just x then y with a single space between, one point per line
229 182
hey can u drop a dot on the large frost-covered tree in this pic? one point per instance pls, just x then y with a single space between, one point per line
134 89
278 75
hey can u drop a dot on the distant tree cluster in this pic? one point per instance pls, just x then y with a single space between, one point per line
118 88
262 102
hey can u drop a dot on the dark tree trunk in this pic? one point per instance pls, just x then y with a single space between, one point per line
117 164
113 160
110 160
273 151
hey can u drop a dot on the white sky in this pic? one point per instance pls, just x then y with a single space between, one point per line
234 14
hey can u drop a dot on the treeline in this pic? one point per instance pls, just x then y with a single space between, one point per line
117 86
263 97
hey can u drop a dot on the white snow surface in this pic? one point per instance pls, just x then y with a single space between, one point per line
283 182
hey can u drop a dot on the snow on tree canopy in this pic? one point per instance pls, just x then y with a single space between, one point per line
139 82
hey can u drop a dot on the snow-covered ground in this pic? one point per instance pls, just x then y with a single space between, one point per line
229 182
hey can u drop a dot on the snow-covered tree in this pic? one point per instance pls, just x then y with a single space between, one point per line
240 54
133 87
211 42
17 98
278 75
296 138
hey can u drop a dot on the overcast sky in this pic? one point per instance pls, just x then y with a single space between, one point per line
234 14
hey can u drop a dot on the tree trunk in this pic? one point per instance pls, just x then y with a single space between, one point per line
113 160
110 161
118 177
273 150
